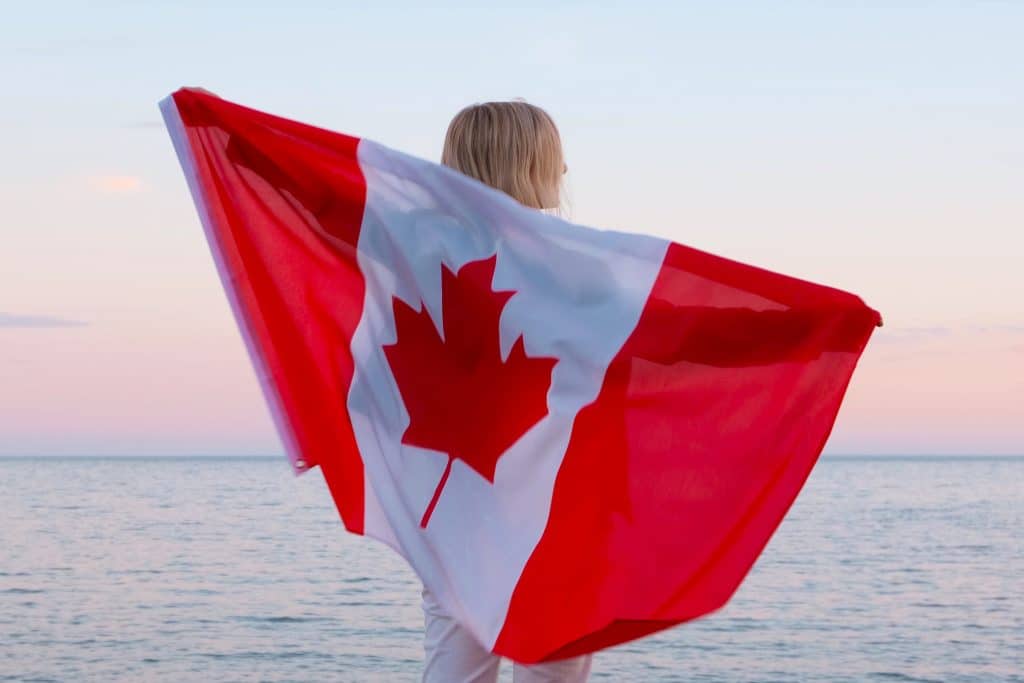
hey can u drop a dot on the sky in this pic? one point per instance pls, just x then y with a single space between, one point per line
874 147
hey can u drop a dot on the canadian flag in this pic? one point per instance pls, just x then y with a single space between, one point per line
576 437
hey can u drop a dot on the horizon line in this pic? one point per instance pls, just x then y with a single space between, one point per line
270 456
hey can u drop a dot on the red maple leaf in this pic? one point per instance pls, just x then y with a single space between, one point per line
462 398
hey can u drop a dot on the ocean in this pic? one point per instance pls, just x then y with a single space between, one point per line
231 569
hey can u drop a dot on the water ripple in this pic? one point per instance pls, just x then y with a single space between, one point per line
227 569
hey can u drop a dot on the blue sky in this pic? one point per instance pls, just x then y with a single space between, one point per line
876 147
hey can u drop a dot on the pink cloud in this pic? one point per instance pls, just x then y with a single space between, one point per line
115 183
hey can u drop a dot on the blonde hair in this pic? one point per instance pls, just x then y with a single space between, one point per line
512 146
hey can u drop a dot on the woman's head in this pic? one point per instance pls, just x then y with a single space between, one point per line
512 146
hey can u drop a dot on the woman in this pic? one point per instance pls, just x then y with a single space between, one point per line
514 147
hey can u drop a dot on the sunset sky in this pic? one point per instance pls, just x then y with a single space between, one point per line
873 149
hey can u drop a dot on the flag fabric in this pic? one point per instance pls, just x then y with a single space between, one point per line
575 437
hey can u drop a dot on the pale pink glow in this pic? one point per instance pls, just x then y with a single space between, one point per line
937 391
184 384
113 387
159 367
115 183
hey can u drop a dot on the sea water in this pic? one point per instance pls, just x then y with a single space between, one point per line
231 569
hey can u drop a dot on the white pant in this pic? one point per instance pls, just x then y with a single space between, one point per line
454 656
